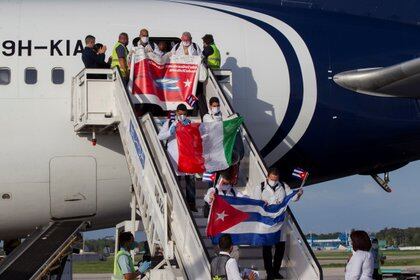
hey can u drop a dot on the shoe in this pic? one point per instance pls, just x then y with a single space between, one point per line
192 207
278 276
270 277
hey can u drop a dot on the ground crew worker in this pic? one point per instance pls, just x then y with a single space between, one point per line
214 113
186 46
119 56
123 263
378 259
168 133
272 191
225 267
210 52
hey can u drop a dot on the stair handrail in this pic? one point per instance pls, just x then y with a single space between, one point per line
247 136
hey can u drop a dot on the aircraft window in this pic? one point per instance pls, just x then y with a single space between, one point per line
4 76
31 76
57 76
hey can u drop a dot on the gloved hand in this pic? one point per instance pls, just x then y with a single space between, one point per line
144 266
186 122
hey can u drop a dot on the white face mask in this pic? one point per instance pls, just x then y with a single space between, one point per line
215 110
224 187
144 40
181 117
272 183
186 43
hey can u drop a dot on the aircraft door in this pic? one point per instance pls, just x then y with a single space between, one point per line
72 187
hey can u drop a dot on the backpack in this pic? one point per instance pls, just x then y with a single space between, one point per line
218 267
206 207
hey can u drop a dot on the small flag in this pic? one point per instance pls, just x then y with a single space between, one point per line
191 100
209 177
300 173
171 115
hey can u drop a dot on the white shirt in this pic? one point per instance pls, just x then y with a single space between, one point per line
159 52
360 266
147 47
165 131
191 49
212 118
172 147
220 188
232 269
272 195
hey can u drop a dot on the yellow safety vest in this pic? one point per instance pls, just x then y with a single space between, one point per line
213 61
117 269
115 60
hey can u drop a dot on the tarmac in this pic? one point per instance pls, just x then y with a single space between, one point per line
329 274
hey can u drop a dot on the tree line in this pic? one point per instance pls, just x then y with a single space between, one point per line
393 236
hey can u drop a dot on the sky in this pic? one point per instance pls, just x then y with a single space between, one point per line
355 202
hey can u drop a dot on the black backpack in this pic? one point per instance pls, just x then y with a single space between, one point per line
206 207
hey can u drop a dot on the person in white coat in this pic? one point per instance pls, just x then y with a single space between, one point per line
225 187
168 133
214 113
186 46
361 263
273 191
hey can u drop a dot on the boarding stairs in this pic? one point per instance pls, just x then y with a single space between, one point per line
104 106
43 253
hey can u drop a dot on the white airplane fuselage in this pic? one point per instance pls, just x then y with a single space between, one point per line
42 157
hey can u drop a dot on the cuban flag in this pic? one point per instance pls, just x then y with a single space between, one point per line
248 221
300 173
209 177
191 100
171 116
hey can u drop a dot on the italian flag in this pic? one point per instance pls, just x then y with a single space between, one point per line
206 147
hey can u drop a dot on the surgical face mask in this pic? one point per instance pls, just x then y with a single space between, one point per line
144 40
225 187
186 43
272 183
181 117
132 245
375 246
215 110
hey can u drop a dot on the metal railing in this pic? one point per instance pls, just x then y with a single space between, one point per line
301 262
93 100
189 246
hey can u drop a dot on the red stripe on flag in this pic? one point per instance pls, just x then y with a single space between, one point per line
190 148
223 216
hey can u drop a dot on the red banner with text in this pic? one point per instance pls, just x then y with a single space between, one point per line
166 81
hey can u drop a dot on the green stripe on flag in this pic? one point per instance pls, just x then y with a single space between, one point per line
230 130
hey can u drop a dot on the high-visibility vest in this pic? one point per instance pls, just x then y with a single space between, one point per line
117 269
213 61
115 61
